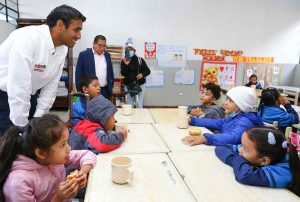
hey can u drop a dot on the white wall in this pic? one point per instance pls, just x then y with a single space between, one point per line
258 27
6 29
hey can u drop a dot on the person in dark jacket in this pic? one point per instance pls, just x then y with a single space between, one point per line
208 108
240 100
269 109
253 81
264 159
96 61
92 133
134 70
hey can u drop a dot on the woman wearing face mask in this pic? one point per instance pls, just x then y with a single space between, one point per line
134 70
239 103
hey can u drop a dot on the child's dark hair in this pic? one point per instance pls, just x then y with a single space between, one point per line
215 89
276 152
86 81
253 75
66 14
39 133
269 97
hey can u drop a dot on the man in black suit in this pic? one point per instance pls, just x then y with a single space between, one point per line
96 61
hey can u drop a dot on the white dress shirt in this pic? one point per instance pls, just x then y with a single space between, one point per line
101 68
29 62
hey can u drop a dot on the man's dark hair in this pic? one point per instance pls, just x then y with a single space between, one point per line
99 37
215 89
86 81
66 14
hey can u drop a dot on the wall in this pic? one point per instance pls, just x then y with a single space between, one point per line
6 29
259 28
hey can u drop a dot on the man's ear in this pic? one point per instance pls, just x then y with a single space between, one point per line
40 154
265 161
60 25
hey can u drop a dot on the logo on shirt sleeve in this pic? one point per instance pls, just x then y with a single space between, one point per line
39 68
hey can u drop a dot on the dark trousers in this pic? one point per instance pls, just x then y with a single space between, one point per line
105 92
5 122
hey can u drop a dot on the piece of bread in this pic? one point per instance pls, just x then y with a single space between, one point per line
195 131
72 175
198 111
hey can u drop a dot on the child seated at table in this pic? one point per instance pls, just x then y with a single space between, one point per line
208 109
269 109
253 81
90 86
264 159
92 133
240 100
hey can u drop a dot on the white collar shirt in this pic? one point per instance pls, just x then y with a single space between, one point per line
100 68
29 62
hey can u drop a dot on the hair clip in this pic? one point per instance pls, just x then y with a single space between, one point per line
271 138
284 144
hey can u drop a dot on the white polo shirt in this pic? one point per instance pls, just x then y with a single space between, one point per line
29 62
100 68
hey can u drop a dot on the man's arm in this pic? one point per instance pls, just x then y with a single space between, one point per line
19 86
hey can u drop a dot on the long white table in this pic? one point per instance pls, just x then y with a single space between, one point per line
137 116
209 179
164 115
155 179
172 137
142 138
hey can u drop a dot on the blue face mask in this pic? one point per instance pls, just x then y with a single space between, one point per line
233 114
131 54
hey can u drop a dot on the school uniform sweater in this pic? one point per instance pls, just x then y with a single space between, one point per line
231 128
276 176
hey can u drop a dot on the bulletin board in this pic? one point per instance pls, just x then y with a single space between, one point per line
266 73
221 73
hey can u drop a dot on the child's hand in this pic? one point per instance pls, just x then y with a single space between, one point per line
193 140
66 190
285 100
82 179
193 112
123 131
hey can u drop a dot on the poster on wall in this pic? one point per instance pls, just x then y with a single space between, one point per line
150 50
267 74
185 77
171 55
221 73
155 79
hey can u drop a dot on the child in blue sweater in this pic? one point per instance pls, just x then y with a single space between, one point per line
88 85
240 100
269 109
264 159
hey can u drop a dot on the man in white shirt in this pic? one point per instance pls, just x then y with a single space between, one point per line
96 61
31 63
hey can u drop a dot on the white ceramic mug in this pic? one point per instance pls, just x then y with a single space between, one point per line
126 109
182 110
182 121
121 170
119 126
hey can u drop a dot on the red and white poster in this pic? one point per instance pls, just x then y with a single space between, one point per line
221 73
150 50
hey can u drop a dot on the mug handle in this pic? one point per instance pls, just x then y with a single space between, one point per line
130 175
